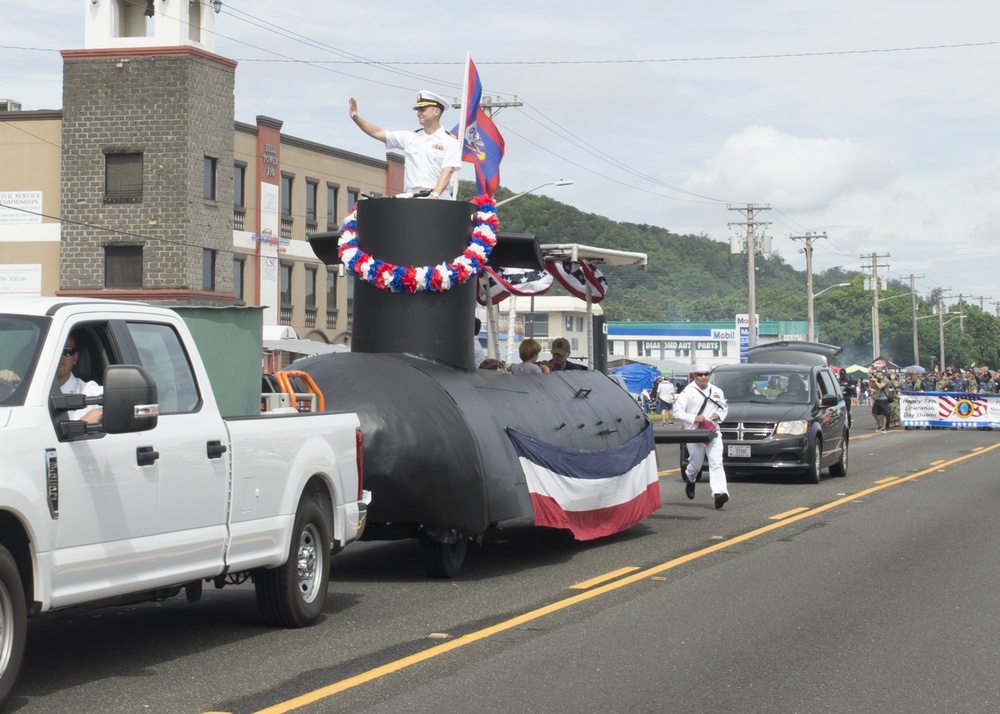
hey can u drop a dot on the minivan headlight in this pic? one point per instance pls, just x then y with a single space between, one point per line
793 428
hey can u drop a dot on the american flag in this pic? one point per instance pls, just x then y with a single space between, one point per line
963 407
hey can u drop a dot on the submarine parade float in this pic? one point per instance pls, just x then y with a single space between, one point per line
451 450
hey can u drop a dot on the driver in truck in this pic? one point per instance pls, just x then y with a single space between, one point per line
69 383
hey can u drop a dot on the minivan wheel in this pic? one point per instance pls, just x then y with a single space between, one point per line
815 463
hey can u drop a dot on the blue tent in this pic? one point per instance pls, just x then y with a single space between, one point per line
637 376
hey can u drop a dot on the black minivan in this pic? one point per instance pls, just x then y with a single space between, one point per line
786 415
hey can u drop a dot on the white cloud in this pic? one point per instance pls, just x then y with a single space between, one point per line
764 165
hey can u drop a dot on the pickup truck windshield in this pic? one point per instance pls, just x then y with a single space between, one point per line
21 339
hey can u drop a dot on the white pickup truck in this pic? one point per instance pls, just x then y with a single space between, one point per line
164 493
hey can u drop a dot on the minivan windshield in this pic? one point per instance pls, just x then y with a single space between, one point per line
766 385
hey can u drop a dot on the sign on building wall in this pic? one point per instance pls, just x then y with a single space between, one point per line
19 207
21 279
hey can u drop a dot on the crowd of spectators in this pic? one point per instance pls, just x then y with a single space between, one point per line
863 391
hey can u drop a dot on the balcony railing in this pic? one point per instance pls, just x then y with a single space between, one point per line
285 315
310 316
286 227
331 319
239 216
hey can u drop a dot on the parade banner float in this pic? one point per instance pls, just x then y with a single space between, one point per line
949 410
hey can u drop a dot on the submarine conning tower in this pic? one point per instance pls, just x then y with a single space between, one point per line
436 325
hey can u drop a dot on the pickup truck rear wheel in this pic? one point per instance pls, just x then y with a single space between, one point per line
13 624
293 594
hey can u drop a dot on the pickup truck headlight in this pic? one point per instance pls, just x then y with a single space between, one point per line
793 428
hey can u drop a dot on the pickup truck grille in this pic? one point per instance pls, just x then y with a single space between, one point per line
747 430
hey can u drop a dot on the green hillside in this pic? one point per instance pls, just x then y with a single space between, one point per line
692 277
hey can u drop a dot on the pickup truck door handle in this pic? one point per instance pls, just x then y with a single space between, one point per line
216 449
145 456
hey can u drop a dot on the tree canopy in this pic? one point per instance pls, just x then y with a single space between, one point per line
692 277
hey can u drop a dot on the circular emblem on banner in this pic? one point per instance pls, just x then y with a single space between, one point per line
964 408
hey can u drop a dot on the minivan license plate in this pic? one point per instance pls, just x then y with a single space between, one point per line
739 450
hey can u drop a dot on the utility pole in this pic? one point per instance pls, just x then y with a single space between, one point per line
913 313
810 310
749 211
940 302
875 265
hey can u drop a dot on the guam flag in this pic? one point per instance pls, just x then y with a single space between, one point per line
482 146
592 493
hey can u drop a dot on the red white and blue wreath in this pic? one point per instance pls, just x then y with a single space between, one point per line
433 278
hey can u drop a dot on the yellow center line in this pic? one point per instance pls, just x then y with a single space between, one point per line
473 637
786 514
587 584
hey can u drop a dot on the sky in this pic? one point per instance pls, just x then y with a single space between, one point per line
876 123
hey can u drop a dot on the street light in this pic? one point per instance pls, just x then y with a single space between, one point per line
560 182
813 296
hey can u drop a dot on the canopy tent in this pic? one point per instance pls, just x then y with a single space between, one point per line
856 369
665 366
637 376
915 368
881 362
305 347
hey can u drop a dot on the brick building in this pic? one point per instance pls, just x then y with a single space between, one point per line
143 187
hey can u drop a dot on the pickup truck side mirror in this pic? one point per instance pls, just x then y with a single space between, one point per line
829 400
130 400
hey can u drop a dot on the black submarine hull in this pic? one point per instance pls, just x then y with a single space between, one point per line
437 453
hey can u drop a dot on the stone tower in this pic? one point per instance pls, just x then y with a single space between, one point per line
147 155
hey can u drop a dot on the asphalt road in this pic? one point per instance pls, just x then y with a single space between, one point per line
877 592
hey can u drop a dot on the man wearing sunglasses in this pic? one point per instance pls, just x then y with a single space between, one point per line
69 383
702 405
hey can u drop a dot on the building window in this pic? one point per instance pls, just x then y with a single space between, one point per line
331 207
286 284
122 177
569 323
239 269
310 286
312 190
352 197
286 195
208 188
331 298
239 185
579 324
123 267
536 325
208 269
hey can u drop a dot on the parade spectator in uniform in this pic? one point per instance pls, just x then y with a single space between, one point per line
666 392
700 402
432 154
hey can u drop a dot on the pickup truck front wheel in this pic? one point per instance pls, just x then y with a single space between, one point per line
13 624
293 594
